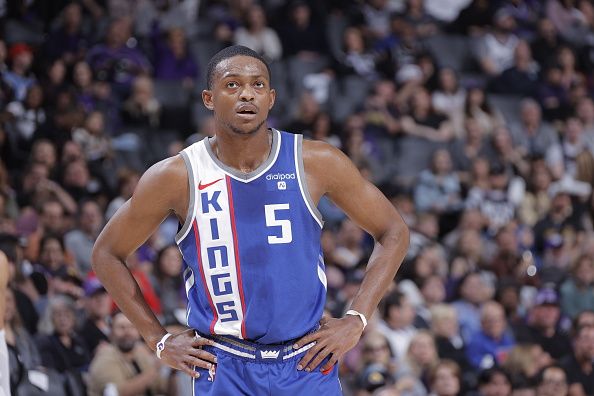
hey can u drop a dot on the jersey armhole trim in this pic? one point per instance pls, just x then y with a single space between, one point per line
299 167
192 203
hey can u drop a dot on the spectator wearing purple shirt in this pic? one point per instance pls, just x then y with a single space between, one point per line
173 60
117 60
68 41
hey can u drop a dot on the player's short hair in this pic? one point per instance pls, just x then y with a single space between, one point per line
230 52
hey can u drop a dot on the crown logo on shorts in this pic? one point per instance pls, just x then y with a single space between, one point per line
269 354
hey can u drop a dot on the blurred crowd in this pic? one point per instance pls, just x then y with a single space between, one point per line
475 118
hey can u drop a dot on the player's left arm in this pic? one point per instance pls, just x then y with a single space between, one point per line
332 173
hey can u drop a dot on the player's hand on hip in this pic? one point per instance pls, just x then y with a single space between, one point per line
334 338
183 351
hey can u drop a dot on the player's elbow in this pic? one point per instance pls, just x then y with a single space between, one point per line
99 256
402 234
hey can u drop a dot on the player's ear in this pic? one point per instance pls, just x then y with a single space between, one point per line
207 99
272 98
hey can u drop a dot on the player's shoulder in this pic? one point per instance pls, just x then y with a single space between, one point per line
171 168
169 176
319 154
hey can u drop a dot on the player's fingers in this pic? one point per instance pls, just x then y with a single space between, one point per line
307 339
192 361
198 341
189 370
313 351
200 354
329 365
323 354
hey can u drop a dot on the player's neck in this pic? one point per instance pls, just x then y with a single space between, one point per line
244 153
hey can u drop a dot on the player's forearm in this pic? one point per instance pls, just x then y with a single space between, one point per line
385 260
126 293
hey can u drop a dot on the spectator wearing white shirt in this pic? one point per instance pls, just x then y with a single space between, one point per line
258 36
496 49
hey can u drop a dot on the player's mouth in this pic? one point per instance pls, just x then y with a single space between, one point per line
247 110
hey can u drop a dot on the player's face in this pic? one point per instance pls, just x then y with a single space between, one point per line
241 96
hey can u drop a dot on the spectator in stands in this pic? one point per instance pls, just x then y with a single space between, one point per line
473 292
127 366
474 19
421 357
302 35
525 361
537 201
577 292
80 240
490 345
545 46
542 325
92 139
397 323
68 41
570 157
52 218
173 60
376 14
142 109
258 36
585 112
578 362
438 188
520 79
445 379
356 59
376 351
478 107
61 346
23 353
449 99
532 134
568 20
26 117
449 342
18 77
494 382
349 250
117 60
415 13
496 49
504 153
95 329
424 122
498 203
563 219
553 95
169 285
80 183
552 381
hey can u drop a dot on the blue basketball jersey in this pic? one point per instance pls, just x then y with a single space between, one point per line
253 265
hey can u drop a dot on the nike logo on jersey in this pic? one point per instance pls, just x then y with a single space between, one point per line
203 186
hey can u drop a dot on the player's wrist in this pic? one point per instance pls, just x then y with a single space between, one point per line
161 344
358 318
154 339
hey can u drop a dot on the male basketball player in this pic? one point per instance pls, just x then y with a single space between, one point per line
250 239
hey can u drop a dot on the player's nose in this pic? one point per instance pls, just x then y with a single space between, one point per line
247 93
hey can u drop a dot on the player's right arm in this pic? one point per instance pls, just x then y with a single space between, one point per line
161 191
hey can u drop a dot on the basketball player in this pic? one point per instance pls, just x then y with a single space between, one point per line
250 239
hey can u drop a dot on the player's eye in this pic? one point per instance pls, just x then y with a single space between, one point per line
232 84
259 84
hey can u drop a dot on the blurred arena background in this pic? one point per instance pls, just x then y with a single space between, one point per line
474 117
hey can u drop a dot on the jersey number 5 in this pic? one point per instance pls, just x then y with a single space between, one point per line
270 212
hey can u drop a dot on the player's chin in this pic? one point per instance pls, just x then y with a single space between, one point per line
247 128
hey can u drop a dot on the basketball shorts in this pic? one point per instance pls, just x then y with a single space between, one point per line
250 369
